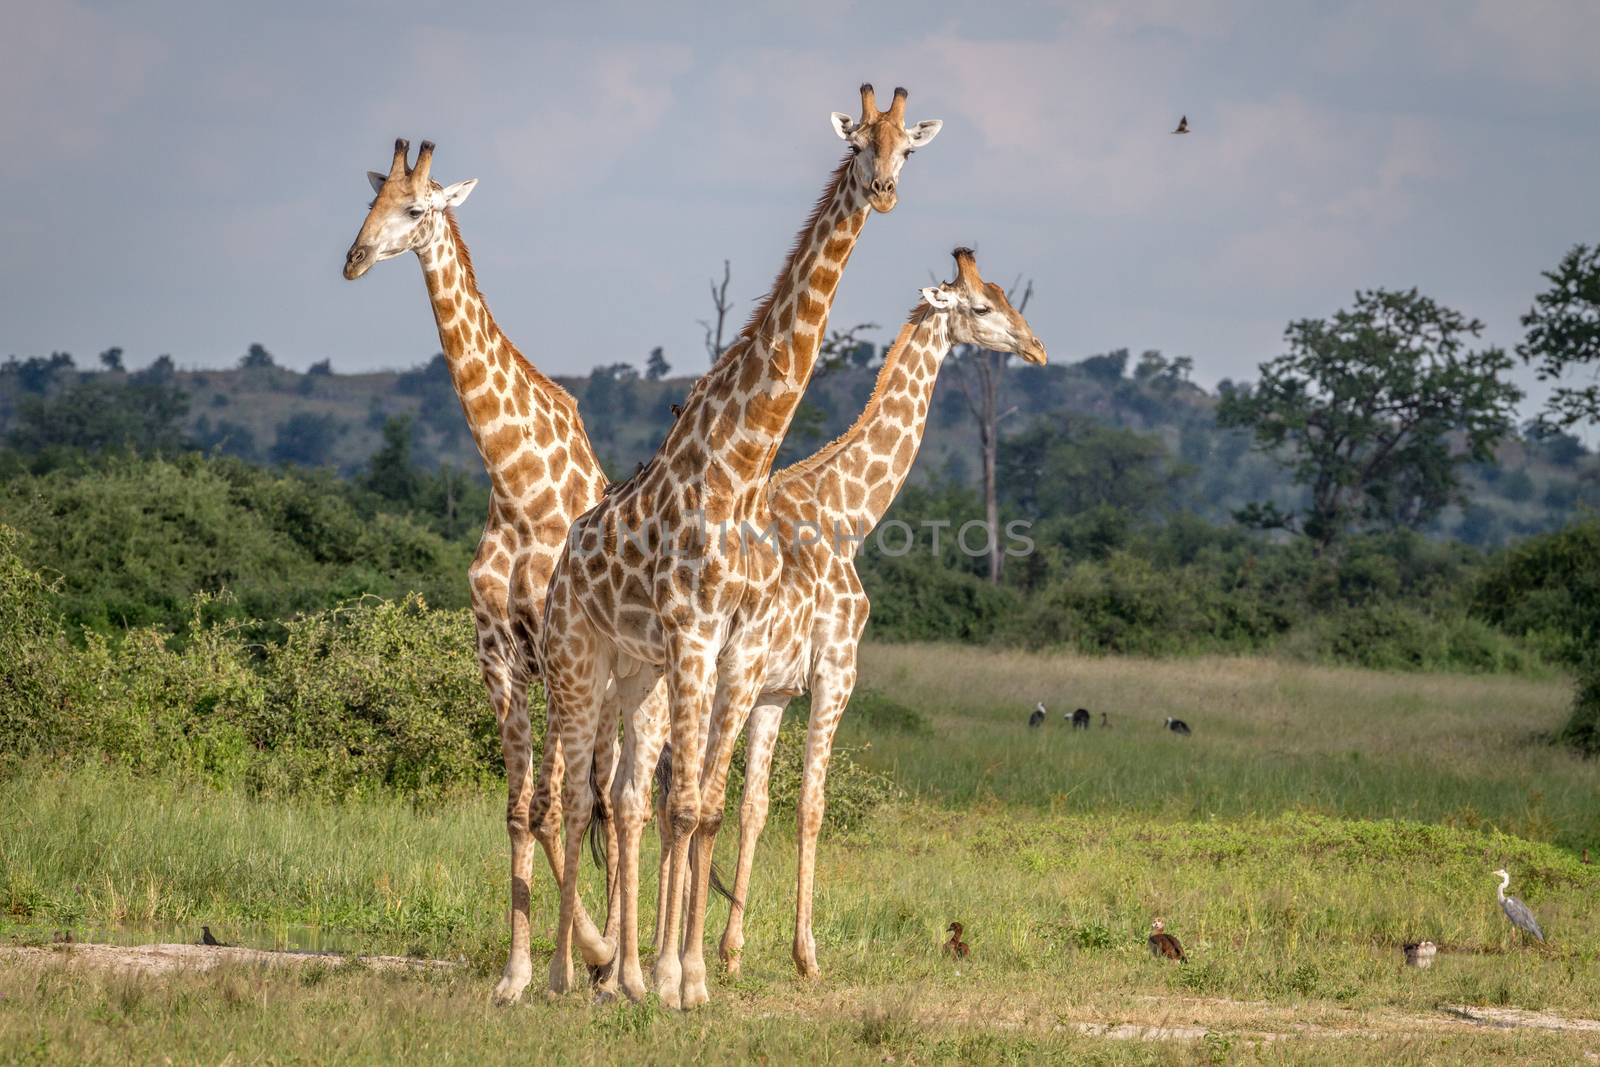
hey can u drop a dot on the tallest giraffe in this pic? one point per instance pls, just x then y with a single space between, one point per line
648 586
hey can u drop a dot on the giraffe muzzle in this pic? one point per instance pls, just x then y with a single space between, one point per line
356 262
1034 353
883 196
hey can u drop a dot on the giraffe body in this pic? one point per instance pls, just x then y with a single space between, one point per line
543 474
663 584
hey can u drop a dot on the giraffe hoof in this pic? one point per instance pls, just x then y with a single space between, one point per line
510 990
695 994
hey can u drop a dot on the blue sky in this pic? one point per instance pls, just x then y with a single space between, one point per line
185 178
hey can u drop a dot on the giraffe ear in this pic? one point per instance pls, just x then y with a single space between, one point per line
376 180
925 131
456 194
843 125
938 298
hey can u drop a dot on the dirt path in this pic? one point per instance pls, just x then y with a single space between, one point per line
1140 1018
164 959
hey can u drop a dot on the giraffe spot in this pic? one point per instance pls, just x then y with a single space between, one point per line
558 463
810 310
836 248
470 374
825 279
482 407
499 381
502 442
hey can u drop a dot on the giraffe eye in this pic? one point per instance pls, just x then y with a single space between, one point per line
415 212
981 311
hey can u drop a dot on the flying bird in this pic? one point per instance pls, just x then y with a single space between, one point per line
955 946
1183 125
1164 944
1080 719
1515 909
1420 954
1178 726
1037 718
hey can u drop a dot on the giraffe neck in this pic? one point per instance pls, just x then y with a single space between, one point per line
737 414
525 426
849 484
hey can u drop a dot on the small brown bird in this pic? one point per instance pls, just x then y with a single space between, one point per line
955 946
61 937
1164 944
206 938
1104 722
1183 125
1420 954
1586 857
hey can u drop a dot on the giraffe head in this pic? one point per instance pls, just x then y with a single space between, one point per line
980 313
402 215
880 142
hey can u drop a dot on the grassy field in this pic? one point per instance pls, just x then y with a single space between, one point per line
1315 821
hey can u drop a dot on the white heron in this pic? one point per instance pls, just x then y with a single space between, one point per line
1515 909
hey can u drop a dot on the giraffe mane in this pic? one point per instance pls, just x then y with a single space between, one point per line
891 361
538 377
759 315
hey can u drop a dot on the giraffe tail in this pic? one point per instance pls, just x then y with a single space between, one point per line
602 815
664 787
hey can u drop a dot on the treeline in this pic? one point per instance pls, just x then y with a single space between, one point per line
52 411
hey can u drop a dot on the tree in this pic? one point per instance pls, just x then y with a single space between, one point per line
257 356
1564 335
111 359
321 368
391 473
306 438
95 415
720 306
1375 411
657 367
979 374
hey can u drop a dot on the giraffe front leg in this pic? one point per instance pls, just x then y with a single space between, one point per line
739 682
690 677
761 738
644 732
511 712
830 691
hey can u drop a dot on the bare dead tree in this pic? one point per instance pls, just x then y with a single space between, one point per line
980 373
721 305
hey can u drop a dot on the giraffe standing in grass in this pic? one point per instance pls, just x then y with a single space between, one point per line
825 506
542 474
660 584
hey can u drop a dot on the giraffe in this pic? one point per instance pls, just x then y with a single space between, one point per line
642 591
542 473
825 506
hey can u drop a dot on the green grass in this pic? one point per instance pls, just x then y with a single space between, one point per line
1317 819
1269 736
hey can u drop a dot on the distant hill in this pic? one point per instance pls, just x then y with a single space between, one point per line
321 418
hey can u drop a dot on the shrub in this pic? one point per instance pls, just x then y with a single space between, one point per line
1548 590
853 790
1582 729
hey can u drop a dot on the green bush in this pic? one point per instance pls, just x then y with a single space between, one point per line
1387 636
133 540
1582 730
1548 591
